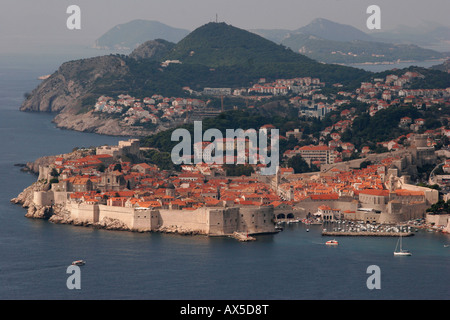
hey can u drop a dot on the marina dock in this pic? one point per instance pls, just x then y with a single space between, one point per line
366 234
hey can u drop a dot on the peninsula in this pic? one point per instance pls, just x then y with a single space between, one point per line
112 187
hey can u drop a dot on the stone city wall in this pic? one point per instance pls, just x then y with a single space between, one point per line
208 221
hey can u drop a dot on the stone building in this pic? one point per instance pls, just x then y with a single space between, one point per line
112 181
129 147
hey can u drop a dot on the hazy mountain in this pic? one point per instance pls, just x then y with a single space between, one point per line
425 35
332 42
357 51
275 35
321 28
326 29
134 33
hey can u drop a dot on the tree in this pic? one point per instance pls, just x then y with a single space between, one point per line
299 164
364 164
54 173
440 207
234 170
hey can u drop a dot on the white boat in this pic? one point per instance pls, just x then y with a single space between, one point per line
331 243
78 263
401 251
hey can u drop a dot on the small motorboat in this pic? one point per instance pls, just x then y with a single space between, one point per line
331 243
78 263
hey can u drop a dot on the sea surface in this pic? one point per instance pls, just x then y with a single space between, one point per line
291 265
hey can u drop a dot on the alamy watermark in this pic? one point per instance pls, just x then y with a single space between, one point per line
74 280
239 147
374 21
374 280
74 20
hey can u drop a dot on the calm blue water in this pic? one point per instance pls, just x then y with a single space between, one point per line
294 264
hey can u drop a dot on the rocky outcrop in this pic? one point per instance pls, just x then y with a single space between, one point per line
25 198
111 224
39 212
73 81
179 230
92 122
72 90
68 92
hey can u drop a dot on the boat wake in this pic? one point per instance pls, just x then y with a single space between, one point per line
16 271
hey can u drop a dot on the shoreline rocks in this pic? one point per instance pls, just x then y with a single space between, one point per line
92 123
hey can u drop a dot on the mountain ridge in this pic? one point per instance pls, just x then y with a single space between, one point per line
357 51
330 30
130 35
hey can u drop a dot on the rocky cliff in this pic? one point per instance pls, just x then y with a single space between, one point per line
72 82
73 89
91 122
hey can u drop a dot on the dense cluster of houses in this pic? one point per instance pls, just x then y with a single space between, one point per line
103 180
106 180
304 94
378 94
153 109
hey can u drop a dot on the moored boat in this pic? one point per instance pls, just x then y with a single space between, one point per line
401 251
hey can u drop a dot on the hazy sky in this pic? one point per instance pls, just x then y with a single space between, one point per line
38 24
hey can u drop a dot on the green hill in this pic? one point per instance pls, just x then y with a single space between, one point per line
220 44
239 57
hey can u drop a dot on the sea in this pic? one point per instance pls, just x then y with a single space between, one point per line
292 265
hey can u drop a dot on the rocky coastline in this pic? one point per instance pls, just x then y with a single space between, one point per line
58 214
